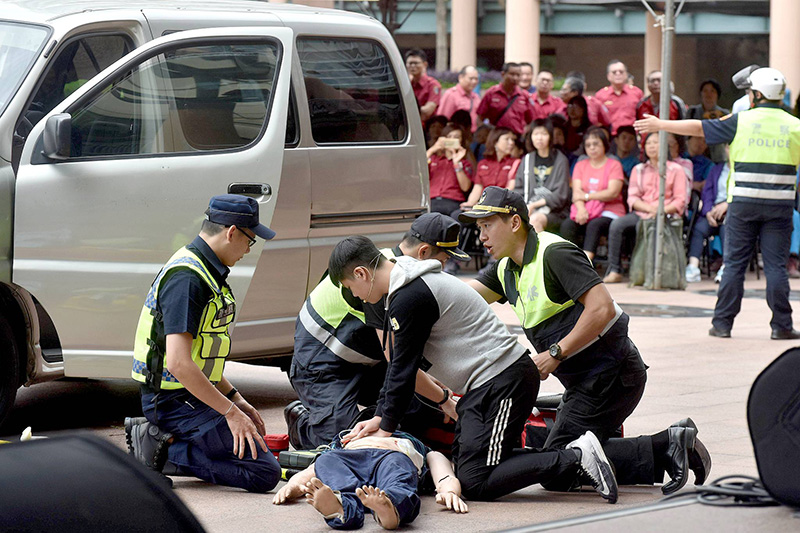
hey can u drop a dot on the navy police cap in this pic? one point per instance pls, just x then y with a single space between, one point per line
237 210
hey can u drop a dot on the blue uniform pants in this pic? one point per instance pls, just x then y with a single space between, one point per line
390 471
747 223
203 445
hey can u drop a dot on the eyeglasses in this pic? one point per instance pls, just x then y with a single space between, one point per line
251 241
620 71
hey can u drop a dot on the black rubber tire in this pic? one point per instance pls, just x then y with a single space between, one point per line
9 369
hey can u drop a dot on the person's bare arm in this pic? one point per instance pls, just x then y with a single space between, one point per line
474 196
448 488
651 124
486 293
609 193
179 363
224 386
426 111
598 311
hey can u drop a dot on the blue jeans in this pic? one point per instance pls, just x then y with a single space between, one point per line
390 471
747 223
203 445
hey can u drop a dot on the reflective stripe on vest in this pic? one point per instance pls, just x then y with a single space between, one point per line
209 348
764 156
531 303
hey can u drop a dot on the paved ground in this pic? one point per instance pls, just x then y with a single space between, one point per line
690 374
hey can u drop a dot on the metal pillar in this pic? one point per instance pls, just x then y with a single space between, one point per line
668 32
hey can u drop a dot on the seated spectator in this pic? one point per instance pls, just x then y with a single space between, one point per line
498 166
506 105
643 202
596 193
462 118
382 475
543 178
544 103
712 214
696 152
575 85
577 124
626 149
710 91
620 97
650 104
427 90
461 97
559 122
677 146
433 129
478 144
450 171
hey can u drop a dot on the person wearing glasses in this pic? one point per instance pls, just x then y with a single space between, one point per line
196 423
619 97
544 102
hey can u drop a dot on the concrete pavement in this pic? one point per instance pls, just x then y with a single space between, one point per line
691 374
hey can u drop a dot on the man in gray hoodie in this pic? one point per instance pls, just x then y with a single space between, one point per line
432 320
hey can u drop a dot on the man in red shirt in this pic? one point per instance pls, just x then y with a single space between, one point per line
506 105
543 102
619 97
526 78
651 105
462 96
575 86
426 89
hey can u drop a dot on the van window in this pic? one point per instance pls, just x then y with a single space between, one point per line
353 95
189 99
78 61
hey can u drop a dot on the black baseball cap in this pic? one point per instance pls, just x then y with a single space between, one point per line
496 200
439 230
237 210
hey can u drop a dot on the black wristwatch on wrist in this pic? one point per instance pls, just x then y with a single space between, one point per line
555 352
446 397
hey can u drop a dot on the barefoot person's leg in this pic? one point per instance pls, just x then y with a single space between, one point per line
294 487
322 498
375 499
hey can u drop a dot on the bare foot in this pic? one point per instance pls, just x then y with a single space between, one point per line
322 497
375 499
288 492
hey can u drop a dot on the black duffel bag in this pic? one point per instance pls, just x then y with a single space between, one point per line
773 416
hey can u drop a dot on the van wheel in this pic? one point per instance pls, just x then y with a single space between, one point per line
9 369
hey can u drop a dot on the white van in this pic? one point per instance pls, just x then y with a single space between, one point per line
118 123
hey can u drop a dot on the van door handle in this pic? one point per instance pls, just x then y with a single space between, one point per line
250 189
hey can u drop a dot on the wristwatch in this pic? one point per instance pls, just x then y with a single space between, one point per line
446 396
458 166
555 352
586 197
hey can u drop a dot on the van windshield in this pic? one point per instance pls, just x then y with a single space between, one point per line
20 45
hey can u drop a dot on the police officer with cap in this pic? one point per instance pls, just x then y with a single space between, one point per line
338 361
581 336
196 423
764 155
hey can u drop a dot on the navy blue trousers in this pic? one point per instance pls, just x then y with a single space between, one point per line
390 471
747 223
203 445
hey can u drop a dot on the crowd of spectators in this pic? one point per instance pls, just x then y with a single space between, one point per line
577 160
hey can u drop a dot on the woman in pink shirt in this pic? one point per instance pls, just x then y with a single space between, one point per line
596 193
643 201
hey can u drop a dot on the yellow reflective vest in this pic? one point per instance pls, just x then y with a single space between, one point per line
525 289
211 345
764 156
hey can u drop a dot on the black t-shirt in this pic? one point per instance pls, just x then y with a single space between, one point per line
542 167
184 295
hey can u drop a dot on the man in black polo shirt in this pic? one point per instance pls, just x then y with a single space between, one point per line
192 411
581 336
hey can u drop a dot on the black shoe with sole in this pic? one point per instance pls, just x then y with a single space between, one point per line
784 334
148 443
699 458
681 441
721 333
292 413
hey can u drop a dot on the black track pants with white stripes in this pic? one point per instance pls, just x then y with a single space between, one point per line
489 428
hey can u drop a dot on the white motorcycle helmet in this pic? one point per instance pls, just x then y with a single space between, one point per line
769 82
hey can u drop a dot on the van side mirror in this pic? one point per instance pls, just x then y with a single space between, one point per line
58 137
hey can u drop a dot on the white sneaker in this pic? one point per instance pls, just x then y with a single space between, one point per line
692 274
718 277
595 466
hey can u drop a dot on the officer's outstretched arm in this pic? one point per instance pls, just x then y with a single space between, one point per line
489 295
687 127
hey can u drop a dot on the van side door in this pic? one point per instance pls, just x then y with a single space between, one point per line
151 139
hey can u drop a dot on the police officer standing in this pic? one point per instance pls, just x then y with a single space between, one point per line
196 422
764 154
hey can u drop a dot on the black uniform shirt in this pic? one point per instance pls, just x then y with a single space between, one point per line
184 295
